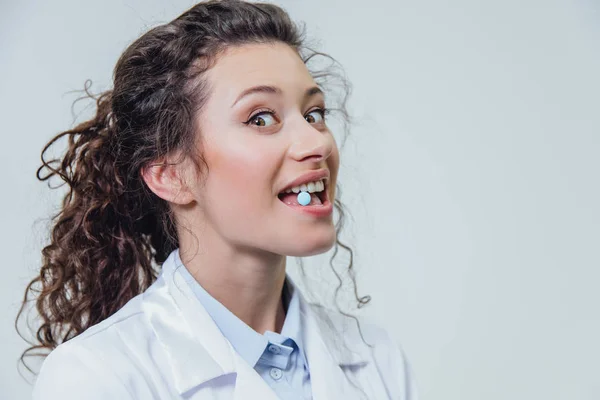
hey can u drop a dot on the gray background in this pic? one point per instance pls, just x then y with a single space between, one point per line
472 174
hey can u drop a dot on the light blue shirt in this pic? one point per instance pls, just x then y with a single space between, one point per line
278 358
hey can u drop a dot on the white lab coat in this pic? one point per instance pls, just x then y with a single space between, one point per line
163 345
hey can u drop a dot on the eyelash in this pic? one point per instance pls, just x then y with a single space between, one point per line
324 111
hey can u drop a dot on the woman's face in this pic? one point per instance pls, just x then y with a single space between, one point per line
258 144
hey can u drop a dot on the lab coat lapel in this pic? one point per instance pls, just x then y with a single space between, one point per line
197 350
326 358
249 385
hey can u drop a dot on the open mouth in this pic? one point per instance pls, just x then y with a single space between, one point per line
317 191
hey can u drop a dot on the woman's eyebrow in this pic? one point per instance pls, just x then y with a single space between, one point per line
312 91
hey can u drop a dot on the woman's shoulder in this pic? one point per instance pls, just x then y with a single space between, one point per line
108 332
358 337
100 360
71 369
352 327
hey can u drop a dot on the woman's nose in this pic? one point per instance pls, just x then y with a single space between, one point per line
310 143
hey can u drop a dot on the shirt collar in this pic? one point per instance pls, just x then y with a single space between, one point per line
292 328
245 340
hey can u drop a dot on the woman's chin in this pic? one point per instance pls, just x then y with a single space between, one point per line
311 246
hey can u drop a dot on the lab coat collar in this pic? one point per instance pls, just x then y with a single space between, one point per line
198 352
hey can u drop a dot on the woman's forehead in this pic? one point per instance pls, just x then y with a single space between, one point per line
241 68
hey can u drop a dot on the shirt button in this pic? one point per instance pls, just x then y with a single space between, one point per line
274 349
275 373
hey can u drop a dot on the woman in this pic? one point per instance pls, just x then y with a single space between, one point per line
200 159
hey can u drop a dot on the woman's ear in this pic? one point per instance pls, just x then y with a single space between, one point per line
166 181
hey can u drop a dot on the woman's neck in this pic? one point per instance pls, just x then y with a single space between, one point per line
248 283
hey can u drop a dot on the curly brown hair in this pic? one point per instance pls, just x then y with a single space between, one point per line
111 227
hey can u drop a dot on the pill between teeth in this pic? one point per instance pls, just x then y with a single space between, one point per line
304 198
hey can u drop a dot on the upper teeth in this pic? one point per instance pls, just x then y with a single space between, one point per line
311 187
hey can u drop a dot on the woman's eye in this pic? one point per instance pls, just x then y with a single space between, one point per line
261 119
267 118
319 116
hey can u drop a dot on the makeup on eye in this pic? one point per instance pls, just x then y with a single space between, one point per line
323 111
